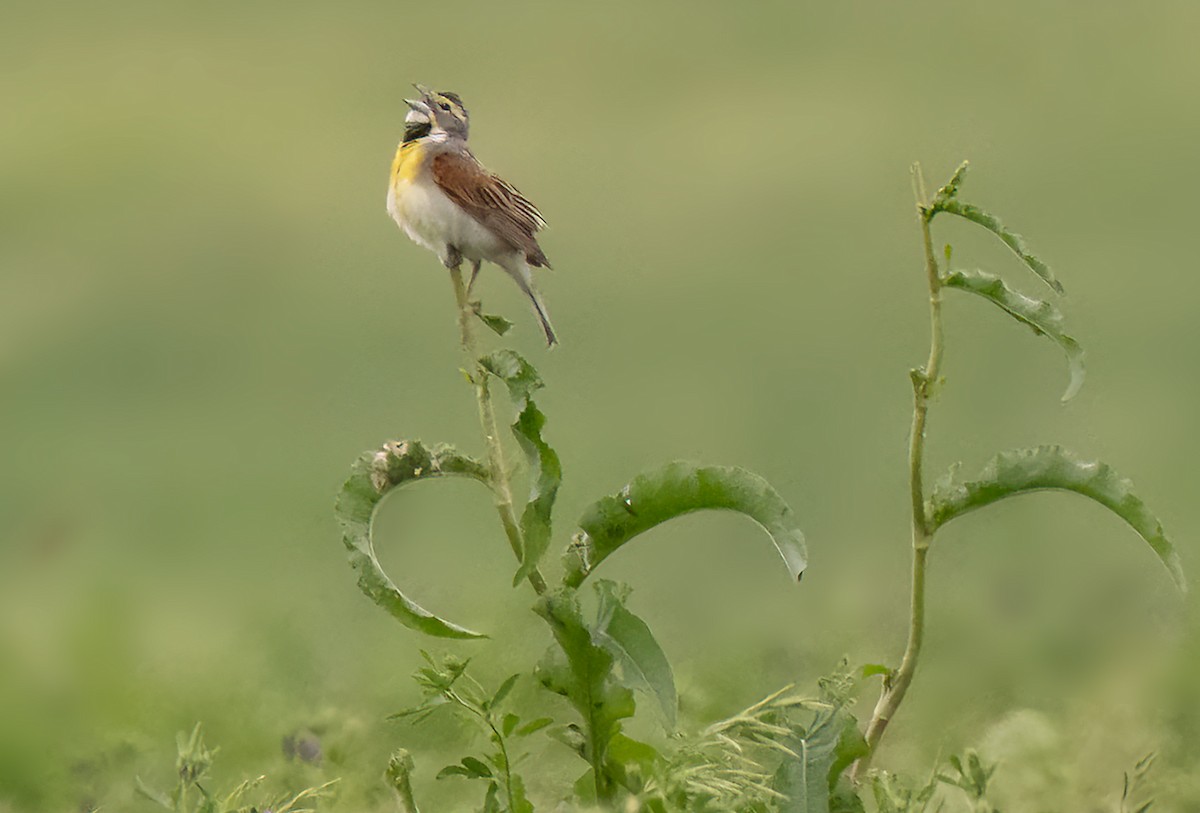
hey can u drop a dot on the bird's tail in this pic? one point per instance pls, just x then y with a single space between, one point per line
523 276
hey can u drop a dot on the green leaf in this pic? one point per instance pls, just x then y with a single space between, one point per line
1052 467
950 190
979 775
419 713
844 798
634 752
534 726
674 490
503 691
373 477
476 768
582 671
806 782
509 724
453 770
545 477
545 468
992 223
584 790
498 324
852 745
491 802
894 795
521 377
632 762
516 792
1041 316
629 638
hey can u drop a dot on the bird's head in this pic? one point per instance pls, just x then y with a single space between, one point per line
436 112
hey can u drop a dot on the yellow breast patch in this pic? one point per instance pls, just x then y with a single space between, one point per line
407 163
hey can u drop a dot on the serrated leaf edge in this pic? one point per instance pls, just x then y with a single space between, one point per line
1038 314
1023 471
374 476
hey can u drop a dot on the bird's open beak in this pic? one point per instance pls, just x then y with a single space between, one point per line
424 91
418 106
419 111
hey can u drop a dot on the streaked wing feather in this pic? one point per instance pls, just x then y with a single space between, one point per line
492 201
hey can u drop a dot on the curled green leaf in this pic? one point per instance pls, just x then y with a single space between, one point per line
1052 468
674 490
521 377
992 223
1045 319
375 475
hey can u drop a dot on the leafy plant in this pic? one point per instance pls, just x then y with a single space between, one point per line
971 776
787 753
193 762
1010 473
447 684
1133 796
594 664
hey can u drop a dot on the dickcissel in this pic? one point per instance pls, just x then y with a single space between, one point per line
446 201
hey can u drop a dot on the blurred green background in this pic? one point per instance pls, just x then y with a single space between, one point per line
206 314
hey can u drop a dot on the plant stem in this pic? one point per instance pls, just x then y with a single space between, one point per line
498 469
925 382
512 803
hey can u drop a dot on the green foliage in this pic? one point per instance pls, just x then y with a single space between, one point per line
545 470
514 370
971 776
1041 316
788 753
581 670
446 684
1052 467
731 764
823 749
895 794
497 324
629 639
373 477
194 760
1132 793
784 753
947 201
594 665
674 490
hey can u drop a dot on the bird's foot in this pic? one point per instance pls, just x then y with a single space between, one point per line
474 275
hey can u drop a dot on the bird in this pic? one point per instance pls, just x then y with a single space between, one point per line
446 201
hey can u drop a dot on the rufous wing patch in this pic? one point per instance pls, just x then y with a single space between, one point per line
492 201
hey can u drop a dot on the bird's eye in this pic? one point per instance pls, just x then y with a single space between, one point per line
444 106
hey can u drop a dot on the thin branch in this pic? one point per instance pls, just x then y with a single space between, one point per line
925 382
501 485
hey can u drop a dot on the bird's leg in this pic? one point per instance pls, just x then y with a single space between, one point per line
474 275
453 257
